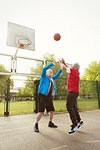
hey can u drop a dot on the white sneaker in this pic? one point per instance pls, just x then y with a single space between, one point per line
80 124
73 129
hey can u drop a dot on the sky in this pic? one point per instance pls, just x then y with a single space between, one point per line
77 21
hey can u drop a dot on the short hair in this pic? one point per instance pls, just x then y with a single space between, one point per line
49 70
76 66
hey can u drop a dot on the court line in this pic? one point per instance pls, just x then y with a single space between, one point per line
14 129
95 141
56 148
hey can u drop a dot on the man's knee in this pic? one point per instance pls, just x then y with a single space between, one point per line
40 113
69 107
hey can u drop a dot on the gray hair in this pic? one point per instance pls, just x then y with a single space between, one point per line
76 66
48 70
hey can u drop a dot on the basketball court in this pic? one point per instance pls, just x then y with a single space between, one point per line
17 133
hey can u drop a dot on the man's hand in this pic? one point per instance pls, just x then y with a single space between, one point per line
54 63
62 66
63 61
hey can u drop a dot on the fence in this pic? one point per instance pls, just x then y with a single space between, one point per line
25 100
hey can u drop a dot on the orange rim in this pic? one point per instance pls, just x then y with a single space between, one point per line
21 45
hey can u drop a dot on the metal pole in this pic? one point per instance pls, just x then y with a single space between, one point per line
36 82
97 86
6 113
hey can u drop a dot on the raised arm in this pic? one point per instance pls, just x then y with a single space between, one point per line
64 66
57 75
47 67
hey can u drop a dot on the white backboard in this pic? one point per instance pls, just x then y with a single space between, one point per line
16 32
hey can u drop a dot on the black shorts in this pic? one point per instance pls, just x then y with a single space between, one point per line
45 102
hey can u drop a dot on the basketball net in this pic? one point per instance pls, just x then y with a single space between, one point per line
23 43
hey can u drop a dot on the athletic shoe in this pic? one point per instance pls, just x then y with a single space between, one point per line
52 125
80 124
36 129
74 128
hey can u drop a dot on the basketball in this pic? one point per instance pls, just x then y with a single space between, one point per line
57 37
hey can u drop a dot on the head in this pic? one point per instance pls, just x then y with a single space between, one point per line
49 73
76 66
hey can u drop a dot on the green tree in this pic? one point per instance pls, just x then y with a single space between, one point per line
3 79
61 82
92 72
87 87
30 86
38 69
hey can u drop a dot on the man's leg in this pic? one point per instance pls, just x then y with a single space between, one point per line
50 108
69 105
41 110
39 115
79 121
51 124
77 114
51 115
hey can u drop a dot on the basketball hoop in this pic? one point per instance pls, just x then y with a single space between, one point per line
23 43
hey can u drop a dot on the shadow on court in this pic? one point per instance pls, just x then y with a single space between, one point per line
17 133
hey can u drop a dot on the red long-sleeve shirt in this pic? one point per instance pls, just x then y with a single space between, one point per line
73 80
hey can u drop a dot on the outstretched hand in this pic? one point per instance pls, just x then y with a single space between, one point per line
62 60
54 63
62 66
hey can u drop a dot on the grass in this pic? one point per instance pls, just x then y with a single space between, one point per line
1 108
23 107
18 107
87 103
60 105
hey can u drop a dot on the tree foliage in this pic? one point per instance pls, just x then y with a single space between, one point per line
86 87
92 72
30 86
3 80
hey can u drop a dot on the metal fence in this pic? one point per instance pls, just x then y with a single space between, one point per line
25 99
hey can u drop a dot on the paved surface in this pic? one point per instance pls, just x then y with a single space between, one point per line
17 133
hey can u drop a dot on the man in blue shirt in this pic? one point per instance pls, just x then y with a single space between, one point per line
47 90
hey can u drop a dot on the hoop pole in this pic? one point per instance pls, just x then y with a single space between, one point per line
14 58
44 63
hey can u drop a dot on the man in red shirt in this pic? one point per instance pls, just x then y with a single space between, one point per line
73 92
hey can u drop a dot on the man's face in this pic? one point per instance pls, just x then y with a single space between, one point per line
49 73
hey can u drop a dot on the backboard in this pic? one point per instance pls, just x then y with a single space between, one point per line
17 32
